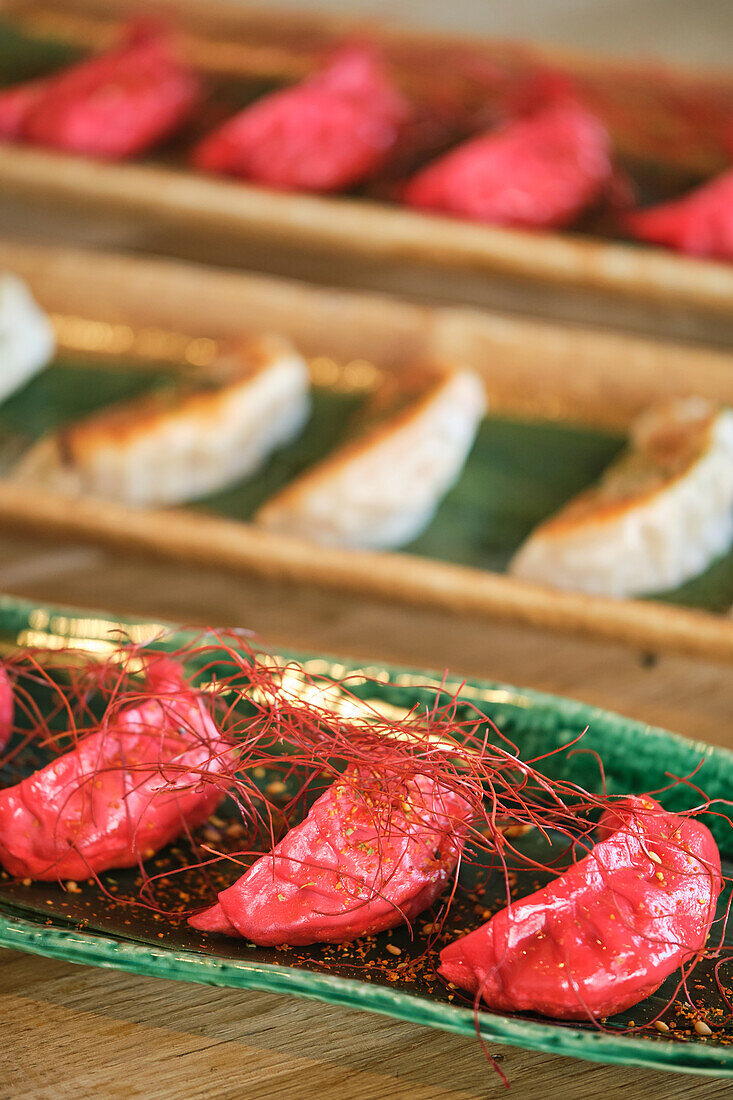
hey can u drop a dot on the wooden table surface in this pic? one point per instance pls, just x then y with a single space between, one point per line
72 1031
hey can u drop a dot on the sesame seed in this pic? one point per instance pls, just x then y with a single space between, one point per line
702 1028
393 949
660 1025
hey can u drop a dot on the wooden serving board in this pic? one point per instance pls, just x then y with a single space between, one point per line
670 119
541 378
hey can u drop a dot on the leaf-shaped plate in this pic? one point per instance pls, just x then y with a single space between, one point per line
86 927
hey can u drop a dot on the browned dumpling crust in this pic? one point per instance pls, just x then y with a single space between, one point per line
185 442
659 516
382 488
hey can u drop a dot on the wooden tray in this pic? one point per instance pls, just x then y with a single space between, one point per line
227 41
130 313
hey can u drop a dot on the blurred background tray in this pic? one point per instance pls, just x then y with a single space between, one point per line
560 400
658 117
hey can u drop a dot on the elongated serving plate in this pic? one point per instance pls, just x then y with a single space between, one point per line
559 399
83 927
230 42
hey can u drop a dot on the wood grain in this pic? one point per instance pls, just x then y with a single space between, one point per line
529 367
239 548
71 1031
284 46
77 1032
194 202
692 696
547 369
98 1033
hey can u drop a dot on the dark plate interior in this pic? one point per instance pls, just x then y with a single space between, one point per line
368 973
410 971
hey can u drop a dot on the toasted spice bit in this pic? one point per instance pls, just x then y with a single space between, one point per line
393 949
661 1026
702 1028
26 881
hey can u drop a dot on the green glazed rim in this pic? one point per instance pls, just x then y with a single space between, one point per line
621 736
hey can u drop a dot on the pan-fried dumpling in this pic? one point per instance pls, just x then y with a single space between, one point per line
382 488
27 339
660 515
174 446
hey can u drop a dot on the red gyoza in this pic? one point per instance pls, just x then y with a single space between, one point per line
146 775
356 865
607 932
332 131
540 171
6 707
700 223
113 106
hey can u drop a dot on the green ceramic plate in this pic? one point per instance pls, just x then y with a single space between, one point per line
87 928
518 473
